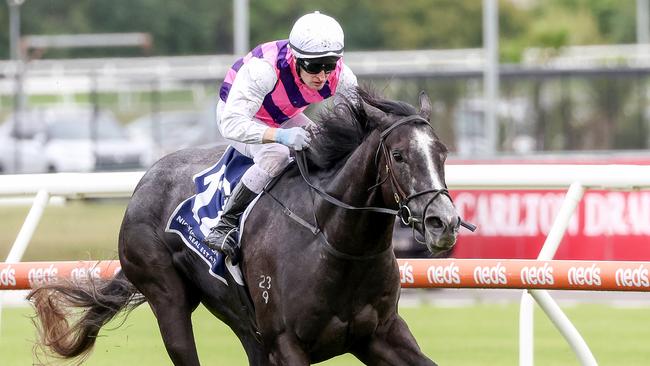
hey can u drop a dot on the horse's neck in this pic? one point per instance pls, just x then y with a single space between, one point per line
359 231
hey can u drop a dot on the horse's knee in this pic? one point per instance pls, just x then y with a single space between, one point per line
392 344
288 352
255 351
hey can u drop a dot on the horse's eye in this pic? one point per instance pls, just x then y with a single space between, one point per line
397 156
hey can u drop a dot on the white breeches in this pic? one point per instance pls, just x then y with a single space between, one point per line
269 159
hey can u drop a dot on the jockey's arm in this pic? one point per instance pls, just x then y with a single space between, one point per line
346 90
253 82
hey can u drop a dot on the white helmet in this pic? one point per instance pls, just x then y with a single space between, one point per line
316 35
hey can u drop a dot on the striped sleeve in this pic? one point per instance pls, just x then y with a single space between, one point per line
253 82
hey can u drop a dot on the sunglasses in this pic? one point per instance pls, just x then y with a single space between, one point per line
315 67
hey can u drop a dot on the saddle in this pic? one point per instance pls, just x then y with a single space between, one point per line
194 217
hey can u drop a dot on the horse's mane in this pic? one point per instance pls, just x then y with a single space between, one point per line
341 128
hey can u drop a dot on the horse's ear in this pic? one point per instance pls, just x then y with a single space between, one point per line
373 113
425 105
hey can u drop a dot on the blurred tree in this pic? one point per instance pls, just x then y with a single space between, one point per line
558 23
188 27
616 19
424 24
4 33
272 19
445 95
632 128
608 95
205 26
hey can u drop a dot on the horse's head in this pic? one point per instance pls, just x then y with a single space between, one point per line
411 160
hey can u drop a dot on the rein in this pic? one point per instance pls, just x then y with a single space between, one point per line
301 161
401 198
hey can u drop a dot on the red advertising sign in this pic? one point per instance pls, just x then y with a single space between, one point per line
607 225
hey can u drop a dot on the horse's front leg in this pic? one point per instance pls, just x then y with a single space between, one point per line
287 352
392 344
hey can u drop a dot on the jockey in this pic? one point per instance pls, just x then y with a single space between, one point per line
261 102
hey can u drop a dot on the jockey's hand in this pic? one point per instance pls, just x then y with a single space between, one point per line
296 137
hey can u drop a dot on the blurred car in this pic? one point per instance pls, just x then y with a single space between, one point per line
17 156
168 131
75 139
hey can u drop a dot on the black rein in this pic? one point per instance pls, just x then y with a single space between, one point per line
401 198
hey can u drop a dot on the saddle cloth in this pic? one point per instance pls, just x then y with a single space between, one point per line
193 218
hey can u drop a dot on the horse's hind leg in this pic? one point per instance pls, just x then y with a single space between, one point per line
170 298
173 309
227 304
392 344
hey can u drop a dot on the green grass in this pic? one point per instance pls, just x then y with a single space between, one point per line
77 231
475 335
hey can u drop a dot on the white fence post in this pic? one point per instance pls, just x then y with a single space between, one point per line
564 325
29 226
25 234
544 299
526 330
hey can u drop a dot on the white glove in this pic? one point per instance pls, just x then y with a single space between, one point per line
296 138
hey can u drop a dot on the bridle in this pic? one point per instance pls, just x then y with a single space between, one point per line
401 198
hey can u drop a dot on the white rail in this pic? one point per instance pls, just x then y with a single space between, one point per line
544 299
480 176
577 177
71 185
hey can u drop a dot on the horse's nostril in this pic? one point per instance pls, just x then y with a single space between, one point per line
435 223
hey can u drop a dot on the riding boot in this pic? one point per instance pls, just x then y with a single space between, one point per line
222 237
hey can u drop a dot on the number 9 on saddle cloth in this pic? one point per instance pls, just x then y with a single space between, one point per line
194 217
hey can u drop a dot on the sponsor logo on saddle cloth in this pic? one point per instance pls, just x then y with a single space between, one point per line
194 217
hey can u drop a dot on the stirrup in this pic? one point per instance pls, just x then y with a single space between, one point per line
228 246
227 238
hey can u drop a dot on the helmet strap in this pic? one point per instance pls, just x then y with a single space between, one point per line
298 71
298 68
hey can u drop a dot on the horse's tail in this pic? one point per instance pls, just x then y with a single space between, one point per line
69 315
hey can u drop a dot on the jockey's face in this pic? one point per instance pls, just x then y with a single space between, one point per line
313 81
314 72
